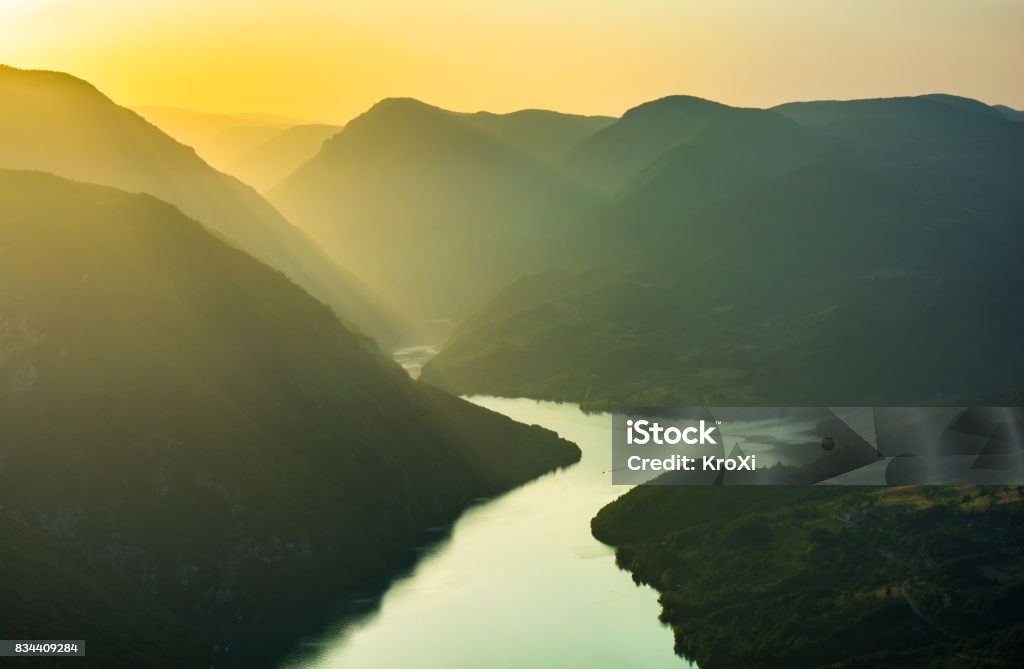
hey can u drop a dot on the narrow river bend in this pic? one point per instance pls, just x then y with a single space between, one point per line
519 583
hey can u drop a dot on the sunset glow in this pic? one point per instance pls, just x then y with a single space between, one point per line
325 60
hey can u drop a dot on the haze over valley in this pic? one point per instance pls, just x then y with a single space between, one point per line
281 390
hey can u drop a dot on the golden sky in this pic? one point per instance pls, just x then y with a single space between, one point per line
331 59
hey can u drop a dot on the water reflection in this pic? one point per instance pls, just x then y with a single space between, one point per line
518 583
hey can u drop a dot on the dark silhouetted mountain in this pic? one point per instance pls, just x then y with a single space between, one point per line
53 122
710 152
875 260
264 166
48 585
1010 113
185 416
429 207
923 115
954 154
613 158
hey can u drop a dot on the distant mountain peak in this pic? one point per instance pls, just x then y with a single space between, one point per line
14 76
961 102
403 105
53 75
1009 112
675 104
406 116
952 97
940 114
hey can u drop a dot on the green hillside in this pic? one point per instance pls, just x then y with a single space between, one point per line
829 577
616 156
843 262
47 585
53 122
437 210
185 416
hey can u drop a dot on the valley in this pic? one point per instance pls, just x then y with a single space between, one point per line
820 259
233 480
283 393
472 599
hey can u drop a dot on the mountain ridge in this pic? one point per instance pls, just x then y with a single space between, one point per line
429 205
245 482
58 123
874 222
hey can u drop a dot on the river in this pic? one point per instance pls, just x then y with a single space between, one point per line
519 582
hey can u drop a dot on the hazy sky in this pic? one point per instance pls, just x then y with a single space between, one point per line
331 59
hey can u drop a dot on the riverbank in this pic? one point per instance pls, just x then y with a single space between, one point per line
518 582
783 577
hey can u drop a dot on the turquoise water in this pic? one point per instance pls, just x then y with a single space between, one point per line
519 584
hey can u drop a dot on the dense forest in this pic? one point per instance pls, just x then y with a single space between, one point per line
809 577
